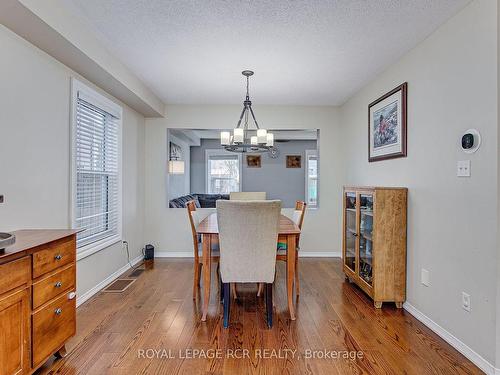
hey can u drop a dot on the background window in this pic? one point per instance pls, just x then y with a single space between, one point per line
96 154
223 172
312 178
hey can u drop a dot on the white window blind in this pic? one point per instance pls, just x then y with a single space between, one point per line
96 152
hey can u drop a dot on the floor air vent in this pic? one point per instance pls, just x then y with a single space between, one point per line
118 286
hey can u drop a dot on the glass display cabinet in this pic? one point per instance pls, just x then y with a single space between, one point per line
374 241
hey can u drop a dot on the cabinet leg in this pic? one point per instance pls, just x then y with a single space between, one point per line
61 353
399 305
377 304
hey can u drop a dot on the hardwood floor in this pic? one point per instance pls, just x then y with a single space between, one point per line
118 333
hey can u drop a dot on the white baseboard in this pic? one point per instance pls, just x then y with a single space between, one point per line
174 254
304 254
470 354
320 254
108 280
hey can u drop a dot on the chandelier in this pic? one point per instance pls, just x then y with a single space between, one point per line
242 139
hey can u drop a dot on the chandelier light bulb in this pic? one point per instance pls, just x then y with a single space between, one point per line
238 135
262 136
270 140
225 138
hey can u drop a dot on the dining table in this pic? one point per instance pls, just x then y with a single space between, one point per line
288 233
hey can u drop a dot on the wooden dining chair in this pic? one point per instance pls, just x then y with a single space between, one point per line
194 220
248 232
298 218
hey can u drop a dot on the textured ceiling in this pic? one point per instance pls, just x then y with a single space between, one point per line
303 52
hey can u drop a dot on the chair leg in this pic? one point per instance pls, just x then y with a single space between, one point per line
260 290
233 290
297 286
196 278
269 304
221 290
227 303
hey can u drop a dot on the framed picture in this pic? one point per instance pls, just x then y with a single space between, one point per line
387 125
293 161
253 161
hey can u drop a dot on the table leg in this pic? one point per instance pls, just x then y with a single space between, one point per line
207 271
290 274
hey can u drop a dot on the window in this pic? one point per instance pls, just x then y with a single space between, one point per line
96 174
312 178
223 171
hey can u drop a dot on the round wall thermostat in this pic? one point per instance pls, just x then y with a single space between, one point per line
471 140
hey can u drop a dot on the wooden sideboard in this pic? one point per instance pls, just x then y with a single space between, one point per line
37 298
374 241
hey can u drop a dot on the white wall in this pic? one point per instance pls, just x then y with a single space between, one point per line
35 155
452 222
168 229
498 194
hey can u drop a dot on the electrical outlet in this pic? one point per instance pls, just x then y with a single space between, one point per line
463 168
466 301
425 277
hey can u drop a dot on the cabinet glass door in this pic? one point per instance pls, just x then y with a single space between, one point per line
365 237
350 231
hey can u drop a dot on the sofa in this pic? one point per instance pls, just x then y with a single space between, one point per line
200 200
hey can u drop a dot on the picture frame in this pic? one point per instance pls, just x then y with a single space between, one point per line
254 161
294 161
387 125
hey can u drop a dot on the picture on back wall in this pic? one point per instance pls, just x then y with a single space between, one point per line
253 161
387 125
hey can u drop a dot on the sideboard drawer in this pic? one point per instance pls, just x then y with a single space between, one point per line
51 286
55 255
52 326
14 274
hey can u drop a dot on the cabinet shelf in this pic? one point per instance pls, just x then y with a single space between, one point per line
367 235
353 231
384 210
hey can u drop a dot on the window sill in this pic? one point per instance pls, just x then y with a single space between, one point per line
92 248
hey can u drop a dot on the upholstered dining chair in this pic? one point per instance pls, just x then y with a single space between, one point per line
248 196
248 232
194 220
298 218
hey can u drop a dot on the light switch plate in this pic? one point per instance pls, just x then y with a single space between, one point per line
425 277
463 168
466 301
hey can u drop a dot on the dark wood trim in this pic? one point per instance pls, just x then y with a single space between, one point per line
404 117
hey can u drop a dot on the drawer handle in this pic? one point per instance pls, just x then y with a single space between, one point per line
58 311
58 284
58 257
